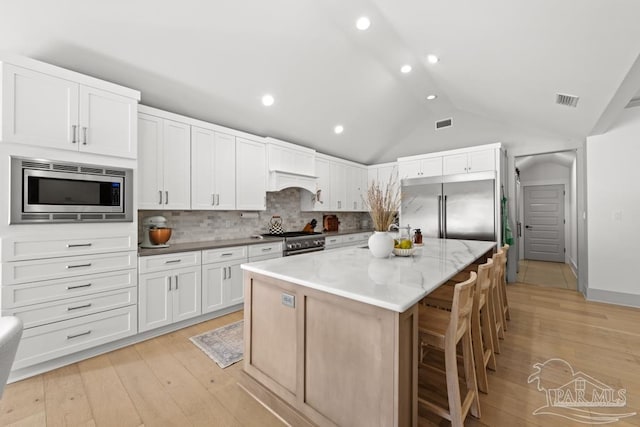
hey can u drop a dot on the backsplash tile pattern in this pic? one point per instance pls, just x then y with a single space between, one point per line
197 226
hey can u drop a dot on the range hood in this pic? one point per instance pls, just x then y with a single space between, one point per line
279 180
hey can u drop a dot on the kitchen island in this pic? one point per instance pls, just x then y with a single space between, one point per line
331 337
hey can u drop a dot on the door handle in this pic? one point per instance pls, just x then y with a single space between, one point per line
440 234
445 216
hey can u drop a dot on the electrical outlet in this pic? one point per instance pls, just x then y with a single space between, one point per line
289 300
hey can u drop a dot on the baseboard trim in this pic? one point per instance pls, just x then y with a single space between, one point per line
49 365
612 297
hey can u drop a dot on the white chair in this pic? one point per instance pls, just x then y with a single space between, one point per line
10 334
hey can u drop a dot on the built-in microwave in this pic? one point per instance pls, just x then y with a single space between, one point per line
44 191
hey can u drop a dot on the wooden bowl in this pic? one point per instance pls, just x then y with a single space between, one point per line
159 236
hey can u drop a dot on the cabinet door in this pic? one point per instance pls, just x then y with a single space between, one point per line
155 303
323 198
455 163
410 169
107 123
202 174
39 109
213 276
353 188
177 165
187 302
431 166
251 186
224 171
150 165
338 187
235 285
387 175
480 161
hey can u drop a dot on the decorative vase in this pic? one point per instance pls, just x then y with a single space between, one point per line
381 244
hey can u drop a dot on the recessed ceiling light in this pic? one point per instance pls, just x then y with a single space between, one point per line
363 23
338 129
267 100
406 68
431 97
432 59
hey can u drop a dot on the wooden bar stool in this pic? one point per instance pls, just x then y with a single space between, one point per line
503 286
482 319
443 330
496 301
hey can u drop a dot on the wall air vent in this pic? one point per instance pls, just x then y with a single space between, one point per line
568 100
442 124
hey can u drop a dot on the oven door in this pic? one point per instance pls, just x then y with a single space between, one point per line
303 251
50 191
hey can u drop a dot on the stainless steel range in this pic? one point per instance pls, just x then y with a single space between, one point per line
299 242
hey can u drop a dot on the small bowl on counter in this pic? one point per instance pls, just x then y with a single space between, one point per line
404 252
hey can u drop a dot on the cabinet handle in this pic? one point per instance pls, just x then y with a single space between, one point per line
227 254
73 131
166 197
213 199
176 282
160 194
78 245
266 249
79 335
79 307
79 265
229 272
224 277
78 286
171 261
169 283
218 199
84 135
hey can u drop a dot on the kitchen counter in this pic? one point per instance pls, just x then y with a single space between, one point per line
334 334
394 283
210 244
215 244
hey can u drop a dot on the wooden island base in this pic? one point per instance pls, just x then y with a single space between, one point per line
320 359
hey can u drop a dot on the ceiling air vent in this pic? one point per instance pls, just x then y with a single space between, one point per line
441 124
568 100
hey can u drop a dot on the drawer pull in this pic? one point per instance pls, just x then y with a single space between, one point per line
78 286
79 265
78 245
78 307
171 261
227 254
79 335
266 249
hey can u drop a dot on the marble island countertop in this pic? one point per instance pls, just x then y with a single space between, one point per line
394 283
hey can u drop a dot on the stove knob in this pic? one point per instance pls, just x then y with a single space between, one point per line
289 245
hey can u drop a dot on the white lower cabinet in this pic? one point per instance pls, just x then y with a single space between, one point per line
222 284
169 295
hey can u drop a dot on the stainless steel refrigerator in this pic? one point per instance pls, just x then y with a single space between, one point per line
455 207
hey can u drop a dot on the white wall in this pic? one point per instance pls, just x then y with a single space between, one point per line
573 215
548 174
614 210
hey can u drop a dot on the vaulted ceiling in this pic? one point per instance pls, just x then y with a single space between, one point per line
501 64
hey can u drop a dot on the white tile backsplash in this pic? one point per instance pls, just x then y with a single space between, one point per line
197 226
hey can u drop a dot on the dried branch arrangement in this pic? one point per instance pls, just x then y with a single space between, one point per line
382 203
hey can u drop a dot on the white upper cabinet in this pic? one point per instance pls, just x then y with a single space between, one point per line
338 186
251 167
213 170
420 168
164 163
320 200
473 161
290 165
46 110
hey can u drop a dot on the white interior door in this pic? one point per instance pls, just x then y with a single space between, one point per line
544 223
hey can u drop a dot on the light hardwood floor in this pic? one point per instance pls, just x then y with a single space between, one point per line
551 274
168 381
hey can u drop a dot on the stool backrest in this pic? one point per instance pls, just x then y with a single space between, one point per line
485 276
462 304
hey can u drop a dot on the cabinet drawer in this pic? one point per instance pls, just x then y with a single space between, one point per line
333 241
47 342
42 314
35 247
53 268
153 263
53 290
355 239
225 254
265 249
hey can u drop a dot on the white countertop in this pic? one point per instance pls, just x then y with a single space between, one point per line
394 283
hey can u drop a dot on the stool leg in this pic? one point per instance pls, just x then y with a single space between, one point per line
478 351
487 335
470 374
453 388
